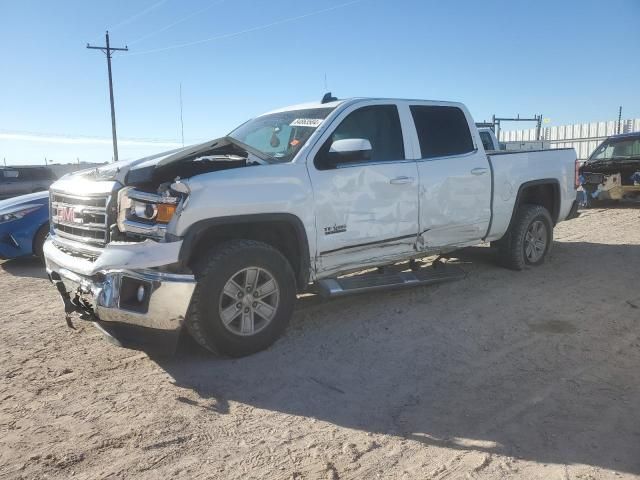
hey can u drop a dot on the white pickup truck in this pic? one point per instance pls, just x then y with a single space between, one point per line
222 236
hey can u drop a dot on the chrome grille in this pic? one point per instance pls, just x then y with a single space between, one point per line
81 218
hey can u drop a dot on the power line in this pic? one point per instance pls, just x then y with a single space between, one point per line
248 30
177 22
135 16
138 15
107 51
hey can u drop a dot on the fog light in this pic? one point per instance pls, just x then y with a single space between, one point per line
140 294
134 294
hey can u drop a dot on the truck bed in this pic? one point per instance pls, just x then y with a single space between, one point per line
513 170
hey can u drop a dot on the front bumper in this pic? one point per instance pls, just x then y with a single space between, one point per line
114 295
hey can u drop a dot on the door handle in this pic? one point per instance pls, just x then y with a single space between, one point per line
479 171
401 180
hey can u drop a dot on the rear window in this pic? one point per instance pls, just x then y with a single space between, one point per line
487 141
442 131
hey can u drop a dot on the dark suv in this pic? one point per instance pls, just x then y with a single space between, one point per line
613 169
16 181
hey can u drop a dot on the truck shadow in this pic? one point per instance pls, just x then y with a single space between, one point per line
30 267
540 365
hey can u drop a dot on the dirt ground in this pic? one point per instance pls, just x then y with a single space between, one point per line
532 375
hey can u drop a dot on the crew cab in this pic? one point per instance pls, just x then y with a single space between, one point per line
221 237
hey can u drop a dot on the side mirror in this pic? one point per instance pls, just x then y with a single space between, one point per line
347 150
352 146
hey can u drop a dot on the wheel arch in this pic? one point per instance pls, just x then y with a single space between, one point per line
543 192
45 225
283 231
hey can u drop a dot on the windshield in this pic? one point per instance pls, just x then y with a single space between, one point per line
279 136
617 148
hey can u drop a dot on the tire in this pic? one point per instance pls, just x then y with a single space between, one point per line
528 240
221 272
39 239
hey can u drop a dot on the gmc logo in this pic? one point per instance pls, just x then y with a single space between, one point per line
66 214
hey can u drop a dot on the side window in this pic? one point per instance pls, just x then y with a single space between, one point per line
10 174
442 131
379 124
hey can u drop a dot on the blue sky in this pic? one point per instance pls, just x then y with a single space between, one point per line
573 61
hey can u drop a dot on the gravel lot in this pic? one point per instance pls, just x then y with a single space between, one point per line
527 375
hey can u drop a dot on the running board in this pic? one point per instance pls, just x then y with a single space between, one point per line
336 287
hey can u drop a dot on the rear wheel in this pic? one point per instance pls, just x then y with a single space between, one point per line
243 300
529 238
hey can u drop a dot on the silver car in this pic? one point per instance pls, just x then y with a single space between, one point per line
16 181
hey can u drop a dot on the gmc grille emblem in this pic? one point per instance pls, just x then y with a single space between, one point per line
66 214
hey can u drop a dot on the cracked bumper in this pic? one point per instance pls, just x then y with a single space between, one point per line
121 288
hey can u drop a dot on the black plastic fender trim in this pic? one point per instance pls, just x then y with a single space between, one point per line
195 232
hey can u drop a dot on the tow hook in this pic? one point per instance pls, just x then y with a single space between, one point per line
77 304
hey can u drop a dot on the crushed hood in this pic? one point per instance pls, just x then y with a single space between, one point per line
219 154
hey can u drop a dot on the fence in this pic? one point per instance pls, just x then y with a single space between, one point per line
584 137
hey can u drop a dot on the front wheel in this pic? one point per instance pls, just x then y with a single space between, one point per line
39 239
243 300
529 238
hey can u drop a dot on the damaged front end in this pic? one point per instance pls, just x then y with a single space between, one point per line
611 182
613 170
110 253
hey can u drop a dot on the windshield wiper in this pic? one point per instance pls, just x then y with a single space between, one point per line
226 156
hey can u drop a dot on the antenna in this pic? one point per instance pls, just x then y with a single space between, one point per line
328 98
181 121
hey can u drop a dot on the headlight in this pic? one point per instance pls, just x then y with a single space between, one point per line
160 212
143 213
147 211
17 213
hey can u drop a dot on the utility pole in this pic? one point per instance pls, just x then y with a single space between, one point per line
619 120
107 51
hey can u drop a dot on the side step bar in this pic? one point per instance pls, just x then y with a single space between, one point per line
369 282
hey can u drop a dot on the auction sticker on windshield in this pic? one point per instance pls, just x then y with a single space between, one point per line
306 122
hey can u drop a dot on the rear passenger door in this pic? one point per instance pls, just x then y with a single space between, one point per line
367 209
455 178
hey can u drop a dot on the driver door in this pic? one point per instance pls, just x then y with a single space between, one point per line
366 202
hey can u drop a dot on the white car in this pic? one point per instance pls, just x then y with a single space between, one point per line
220 237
